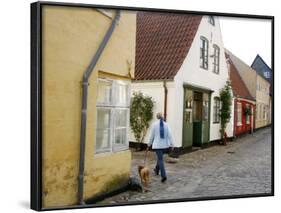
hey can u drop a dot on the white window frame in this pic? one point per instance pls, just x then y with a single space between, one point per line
204 53
239 113
216 61
216 108
113 106
125 146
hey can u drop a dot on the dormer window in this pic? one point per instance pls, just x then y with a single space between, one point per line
212 20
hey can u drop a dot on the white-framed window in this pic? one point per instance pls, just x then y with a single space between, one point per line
216 61
204 49
216 113
248 115
113 111
239 114
211 20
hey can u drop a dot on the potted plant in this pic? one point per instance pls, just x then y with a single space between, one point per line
247 111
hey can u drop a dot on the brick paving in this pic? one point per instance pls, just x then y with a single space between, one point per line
242 167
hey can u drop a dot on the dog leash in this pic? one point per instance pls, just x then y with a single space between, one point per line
144 161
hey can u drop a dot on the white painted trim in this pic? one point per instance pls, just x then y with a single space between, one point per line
243 99
113 107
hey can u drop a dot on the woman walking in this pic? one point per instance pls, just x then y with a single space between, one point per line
160 139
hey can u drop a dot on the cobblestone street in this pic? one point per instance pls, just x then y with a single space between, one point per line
242 167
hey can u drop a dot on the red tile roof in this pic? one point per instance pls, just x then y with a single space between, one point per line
239 88
162 43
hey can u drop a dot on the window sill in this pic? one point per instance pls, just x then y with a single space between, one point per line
108 153
120 148
204 68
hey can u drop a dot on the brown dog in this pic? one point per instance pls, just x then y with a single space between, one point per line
144 175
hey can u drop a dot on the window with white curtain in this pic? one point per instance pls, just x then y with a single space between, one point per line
113 104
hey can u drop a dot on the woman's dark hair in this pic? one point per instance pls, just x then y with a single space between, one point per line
161 128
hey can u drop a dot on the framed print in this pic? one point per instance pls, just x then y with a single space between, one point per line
140 106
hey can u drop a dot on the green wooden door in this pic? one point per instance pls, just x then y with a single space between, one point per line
197 133
205 118
197 118
187 118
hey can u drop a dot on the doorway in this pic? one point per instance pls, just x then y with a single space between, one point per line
196 117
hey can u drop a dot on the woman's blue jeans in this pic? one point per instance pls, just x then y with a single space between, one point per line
160 162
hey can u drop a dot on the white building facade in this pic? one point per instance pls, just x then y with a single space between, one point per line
192 109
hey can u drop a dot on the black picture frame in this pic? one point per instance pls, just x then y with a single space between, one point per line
36 101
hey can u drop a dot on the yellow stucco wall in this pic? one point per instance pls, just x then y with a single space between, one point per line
71 36
262 100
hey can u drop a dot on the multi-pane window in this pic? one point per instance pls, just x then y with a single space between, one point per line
112 115
204 46
216 59
216 113
103 130
239 114
211 20
120 124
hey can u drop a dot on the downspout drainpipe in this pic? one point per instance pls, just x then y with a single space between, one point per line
85 85
165 100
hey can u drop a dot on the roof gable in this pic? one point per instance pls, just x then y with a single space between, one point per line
259 58
239 88
162 43
260 66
